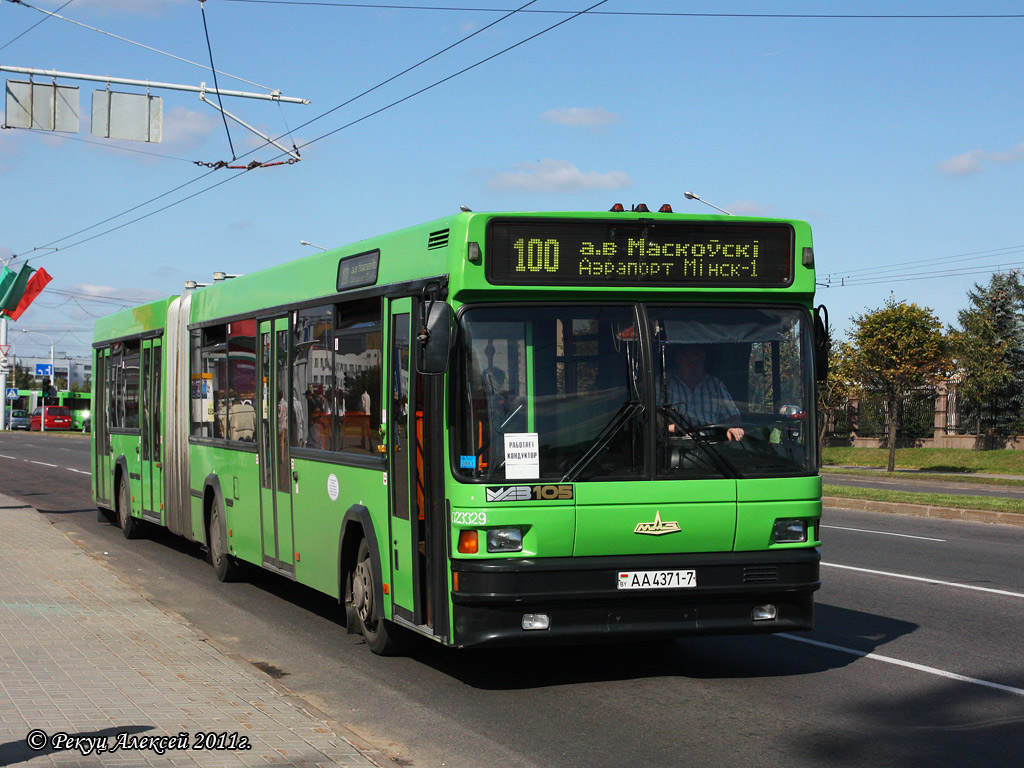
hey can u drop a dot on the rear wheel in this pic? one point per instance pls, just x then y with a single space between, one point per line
382 636
131 527
224 565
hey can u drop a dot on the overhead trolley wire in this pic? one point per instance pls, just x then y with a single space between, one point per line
54 14
917 268
21 35
681 14
961 272
456 74
30 255
216 85
105 145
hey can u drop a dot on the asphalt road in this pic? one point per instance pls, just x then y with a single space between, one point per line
916 660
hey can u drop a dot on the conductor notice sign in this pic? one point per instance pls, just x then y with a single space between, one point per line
640 253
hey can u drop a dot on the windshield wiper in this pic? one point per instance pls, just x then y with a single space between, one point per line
628 409
722 464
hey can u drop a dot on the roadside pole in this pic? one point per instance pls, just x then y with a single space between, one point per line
4 349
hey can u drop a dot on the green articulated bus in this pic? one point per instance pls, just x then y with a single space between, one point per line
491 429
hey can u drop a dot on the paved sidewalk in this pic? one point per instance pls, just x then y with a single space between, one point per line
86 660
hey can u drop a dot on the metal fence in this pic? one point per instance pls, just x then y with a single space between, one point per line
921 415
1002 414
869 417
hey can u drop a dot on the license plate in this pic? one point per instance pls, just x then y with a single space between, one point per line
657 579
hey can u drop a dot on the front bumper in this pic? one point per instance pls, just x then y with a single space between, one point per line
580 597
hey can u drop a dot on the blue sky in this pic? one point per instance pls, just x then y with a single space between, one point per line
901 140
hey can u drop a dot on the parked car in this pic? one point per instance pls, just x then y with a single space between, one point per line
57 417
17 419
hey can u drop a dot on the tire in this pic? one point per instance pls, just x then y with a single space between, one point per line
131 527
383 637
224 565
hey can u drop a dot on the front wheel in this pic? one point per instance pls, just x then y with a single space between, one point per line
381 635
224 565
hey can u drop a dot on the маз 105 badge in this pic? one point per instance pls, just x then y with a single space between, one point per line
529 493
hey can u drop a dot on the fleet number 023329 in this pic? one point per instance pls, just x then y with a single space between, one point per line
657 579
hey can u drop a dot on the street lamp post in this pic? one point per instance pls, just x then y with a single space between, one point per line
694 196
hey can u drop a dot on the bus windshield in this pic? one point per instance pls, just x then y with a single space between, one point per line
587 392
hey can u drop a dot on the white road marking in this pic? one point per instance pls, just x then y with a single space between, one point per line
882 533
41 463
79 471
909 664
926 580
2 456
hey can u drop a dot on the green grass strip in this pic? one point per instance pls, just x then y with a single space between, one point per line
989 503
966 479
956 460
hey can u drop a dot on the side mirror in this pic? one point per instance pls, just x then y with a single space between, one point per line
435 338
822 343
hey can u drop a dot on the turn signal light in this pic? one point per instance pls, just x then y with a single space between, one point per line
666 208
469 542
617 208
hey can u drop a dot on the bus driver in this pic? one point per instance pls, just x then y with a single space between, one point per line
700 397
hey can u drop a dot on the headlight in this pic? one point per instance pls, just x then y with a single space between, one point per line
504 540
789 531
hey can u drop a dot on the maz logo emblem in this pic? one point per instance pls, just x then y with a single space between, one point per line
657 528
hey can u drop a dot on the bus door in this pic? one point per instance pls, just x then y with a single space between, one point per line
100 433
151 465
276 470
413 414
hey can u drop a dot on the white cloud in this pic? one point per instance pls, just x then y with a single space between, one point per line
185 128
975 161
748 208
556 176
109 292
580 117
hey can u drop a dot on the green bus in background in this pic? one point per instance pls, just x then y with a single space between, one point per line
79 405
494 428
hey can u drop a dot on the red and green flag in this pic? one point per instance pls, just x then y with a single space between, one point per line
19 290
35 286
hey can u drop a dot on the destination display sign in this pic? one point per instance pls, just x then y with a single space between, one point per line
632 253
358 271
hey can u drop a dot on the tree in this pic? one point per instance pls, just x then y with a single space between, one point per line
988 351
22 378
834 393
895 350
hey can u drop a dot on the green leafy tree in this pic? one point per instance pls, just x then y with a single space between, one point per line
834 393
895 350
988 352
22 378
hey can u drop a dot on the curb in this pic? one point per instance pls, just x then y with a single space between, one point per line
323 724
925 510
